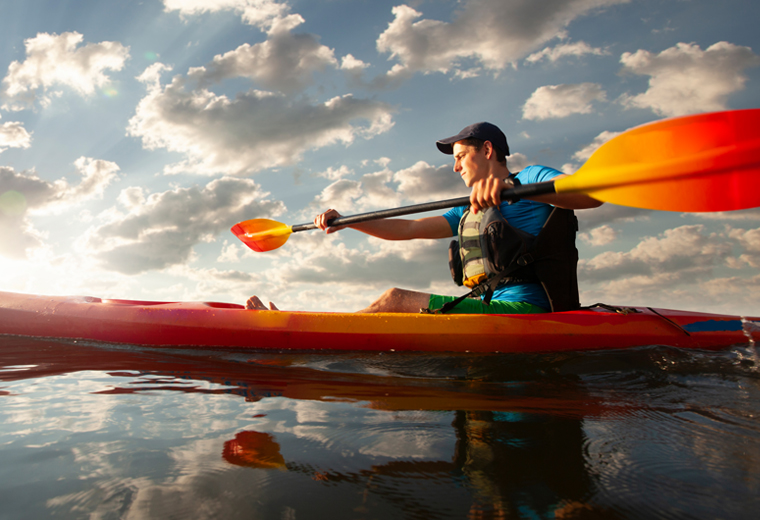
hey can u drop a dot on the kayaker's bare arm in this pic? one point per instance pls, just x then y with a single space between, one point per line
487 192
393 300
392 229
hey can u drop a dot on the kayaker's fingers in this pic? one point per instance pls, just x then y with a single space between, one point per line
321 220
273 307
486 193
333 229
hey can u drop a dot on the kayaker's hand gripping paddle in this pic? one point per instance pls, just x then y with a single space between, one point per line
700 163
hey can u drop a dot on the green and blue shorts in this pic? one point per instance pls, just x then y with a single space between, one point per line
476 306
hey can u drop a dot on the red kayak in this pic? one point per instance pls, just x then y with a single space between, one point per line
225 325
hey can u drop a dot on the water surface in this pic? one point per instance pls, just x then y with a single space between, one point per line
93 431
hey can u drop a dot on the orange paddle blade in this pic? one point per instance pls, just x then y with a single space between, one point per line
261 234
705 162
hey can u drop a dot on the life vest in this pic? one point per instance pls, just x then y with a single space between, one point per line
491 252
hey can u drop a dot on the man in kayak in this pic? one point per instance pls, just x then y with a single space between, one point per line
480 152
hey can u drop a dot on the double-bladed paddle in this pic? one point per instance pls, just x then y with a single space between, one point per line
700 163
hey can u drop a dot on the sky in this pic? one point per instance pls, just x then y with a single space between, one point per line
135 134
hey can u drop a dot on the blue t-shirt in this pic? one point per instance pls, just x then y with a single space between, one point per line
527 215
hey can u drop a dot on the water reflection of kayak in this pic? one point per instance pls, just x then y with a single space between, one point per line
210 324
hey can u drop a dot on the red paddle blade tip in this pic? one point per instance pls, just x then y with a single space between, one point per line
698 163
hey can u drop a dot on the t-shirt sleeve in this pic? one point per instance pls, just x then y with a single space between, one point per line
536 173
453 216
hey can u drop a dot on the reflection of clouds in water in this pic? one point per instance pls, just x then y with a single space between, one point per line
402 443
126 443
181 479
356 429
92 401
54 403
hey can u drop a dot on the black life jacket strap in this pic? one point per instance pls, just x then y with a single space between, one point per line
486 289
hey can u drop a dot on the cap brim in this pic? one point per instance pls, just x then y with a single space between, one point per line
447 148
447 145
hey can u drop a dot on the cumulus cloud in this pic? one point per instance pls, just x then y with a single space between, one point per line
284 62
159 230
506 32
424 183
339 195
745 214
599 236
677 268
14 135
377 265
560 51
254 131
335 174
350 63
385 188
268 15
24 193
680 253
54 60
608 214
585 153
686 79
749 240
557 101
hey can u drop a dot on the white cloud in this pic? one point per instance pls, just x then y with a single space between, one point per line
268 15
557 101
384 189
230 253
558 52
161 229
745 214
517 162
676 269
599 236
506 32
349 62
339 195
609 213
58 60
284 62
424 183
335 174
14 135
586 152
254 131
583 155
24 194
685 79
370 268
750 241
682 252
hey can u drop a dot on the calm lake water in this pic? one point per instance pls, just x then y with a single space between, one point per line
105 432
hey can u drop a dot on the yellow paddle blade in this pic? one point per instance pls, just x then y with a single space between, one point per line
705 162
261 234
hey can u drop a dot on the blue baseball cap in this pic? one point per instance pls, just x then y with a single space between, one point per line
483 131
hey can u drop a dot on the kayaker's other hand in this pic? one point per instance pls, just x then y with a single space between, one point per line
321 221
487 192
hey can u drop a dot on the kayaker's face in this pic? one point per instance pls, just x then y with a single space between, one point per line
470 163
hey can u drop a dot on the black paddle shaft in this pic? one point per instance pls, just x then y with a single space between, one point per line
516 193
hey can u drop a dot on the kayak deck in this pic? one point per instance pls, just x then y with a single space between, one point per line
211 324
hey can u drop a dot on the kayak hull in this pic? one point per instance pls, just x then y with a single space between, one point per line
211 324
